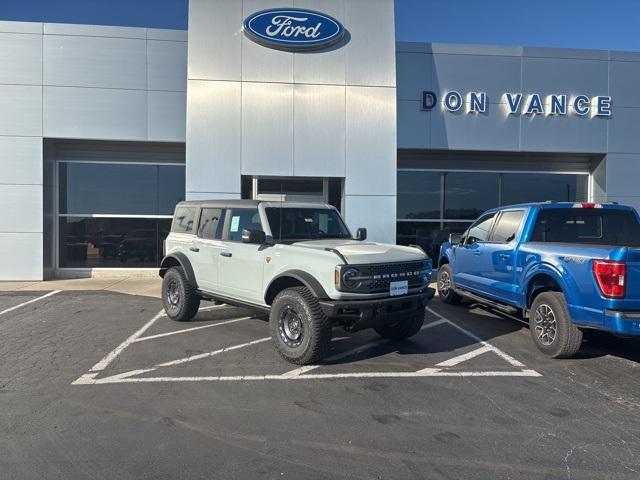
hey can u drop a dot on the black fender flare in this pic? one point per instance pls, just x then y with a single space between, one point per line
184 262
303 277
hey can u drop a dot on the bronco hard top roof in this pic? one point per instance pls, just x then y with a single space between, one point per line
248 204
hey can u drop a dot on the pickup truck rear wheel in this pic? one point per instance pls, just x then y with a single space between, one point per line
445 286
299 328
405 328
179 298
551 328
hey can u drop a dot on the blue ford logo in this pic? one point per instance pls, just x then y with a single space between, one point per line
293 29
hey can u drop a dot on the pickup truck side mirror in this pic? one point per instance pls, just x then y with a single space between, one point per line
455 238
253 236
361 234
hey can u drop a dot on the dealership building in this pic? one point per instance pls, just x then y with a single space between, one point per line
104 129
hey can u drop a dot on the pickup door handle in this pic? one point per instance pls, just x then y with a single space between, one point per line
505 256
476 252
227 254
194 249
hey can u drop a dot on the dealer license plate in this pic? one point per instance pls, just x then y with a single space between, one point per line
398 288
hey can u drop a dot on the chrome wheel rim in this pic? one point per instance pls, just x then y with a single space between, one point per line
545 324
173 294
290 327
444 283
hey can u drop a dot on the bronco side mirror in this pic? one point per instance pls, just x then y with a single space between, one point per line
455 238
253 236
361 234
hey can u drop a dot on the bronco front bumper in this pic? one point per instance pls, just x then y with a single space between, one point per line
360 314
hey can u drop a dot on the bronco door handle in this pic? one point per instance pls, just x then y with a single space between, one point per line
227 254
505 256
194 249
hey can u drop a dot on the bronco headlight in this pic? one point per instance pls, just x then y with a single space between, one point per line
351 278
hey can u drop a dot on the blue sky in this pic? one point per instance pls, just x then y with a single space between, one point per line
603 24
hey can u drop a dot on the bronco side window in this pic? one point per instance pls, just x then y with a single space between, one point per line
241 218
211 222
183 220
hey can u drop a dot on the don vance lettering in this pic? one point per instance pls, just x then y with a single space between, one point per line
520 103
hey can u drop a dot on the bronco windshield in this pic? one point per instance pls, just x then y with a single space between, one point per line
290 224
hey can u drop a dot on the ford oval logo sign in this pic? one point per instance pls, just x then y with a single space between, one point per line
293 29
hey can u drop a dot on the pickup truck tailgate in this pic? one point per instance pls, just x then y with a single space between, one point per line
632 297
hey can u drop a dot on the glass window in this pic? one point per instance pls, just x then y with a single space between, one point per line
428 235
183 220
467 195
305 223
242 218
507 226
419 194
531 187
111 242
211 223
590 226
171 187
480 230
292 186
120 188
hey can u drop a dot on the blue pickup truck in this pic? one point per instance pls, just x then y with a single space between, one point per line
564 266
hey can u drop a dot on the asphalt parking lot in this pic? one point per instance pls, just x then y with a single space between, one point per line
101 385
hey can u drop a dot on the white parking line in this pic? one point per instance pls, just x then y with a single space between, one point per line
186 330
361 348
200 356
496 350
33 300
302 373
452 362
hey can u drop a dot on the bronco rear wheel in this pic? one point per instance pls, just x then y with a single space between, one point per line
299 328
179 298
405 328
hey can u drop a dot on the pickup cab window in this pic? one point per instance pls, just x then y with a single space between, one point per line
598 226
479 231
507 226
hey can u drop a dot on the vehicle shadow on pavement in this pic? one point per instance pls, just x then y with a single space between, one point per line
441 338
599 344
596 344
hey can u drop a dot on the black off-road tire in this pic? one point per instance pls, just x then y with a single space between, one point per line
567 338
405 328
445 277
179 297
298 306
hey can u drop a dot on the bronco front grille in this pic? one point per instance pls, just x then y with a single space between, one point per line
378 277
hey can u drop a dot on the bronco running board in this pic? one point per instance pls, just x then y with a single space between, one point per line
485 301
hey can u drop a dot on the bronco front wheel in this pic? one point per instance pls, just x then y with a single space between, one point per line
300 330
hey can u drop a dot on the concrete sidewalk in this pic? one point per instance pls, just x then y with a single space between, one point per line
148 287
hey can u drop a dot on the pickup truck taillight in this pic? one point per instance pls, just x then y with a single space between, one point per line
611 277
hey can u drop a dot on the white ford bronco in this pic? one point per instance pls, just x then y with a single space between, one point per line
299 263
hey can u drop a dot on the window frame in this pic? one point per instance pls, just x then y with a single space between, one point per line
57 215
502 212
222 216
478 222
227 223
